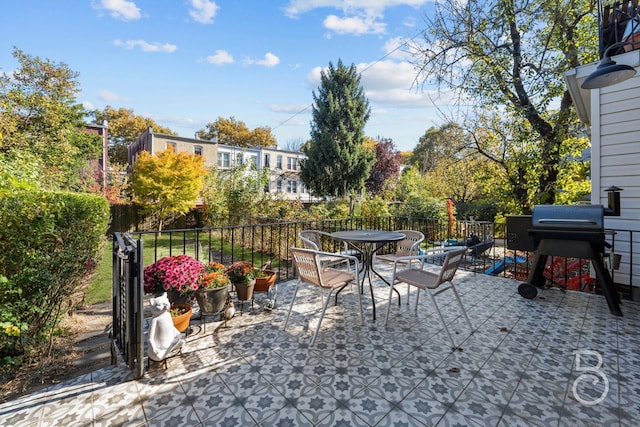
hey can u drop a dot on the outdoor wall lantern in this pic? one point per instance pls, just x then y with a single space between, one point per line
613 199
608 72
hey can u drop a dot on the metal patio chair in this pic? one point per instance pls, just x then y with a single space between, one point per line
312 239
433 283
308 263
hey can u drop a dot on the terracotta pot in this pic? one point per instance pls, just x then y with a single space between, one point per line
244 291
263 284
211 301
181 322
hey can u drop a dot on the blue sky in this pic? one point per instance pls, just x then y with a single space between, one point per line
184 63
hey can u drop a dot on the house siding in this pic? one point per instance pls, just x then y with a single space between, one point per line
615 138
284 182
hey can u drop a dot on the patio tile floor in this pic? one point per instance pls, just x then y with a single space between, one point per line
518 368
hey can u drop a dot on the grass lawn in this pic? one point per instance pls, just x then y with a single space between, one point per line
99 289
100 286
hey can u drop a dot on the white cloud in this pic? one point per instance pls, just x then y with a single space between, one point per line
289 109
396 48
220 57
409 22
298 7
354 25
176 121
391 84
357 16
108 96
378 112
313 77
203 11
88 105
296 121
269 60
146 46
120 9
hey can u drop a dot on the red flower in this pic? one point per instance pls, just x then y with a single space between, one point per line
180 273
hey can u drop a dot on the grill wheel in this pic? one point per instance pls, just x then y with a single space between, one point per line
527 290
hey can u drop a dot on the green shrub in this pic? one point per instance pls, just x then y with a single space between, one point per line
48 243
375 206
419 207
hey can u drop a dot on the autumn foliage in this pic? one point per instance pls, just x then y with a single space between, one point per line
167 183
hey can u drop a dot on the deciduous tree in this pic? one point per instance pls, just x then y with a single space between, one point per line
167 183
124 128
386 168
437 145
234 196
507 57
233 132
337 162
41 118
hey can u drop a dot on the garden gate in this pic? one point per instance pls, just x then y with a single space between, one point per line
127 331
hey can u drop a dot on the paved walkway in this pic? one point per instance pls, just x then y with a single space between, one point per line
519 368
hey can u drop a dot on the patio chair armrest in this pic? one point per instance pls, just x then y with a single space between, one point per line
429 253
349 258
336 255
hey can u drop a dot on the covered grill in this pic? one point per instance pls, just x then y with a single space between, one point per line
573 231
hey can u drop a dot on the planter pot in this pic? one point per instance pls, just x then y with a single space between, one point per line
212 301
176 297
263 284
181 322
244 291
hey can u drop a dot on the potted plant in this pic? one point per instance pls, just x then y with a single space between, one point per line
175 275
181 316
213 287
242 275
264 280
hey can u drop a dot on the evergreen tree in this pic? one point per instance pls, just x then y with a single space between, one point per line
337 162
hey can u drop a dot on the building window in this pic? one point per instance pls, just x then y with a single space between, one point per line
239 159
292 187
171 146
224 160
267 160
292 163
279 186
279 162
197 150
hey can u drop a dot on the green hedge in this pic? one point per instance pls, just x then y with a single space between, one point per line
49 241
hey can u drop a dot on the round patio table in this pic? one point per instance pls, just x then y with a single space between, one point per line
368 242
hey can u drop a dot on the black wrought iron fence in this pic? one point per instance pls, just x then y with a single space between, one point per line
260 243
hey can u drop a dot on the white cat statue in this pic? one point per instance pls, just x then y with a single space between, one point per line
164 338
